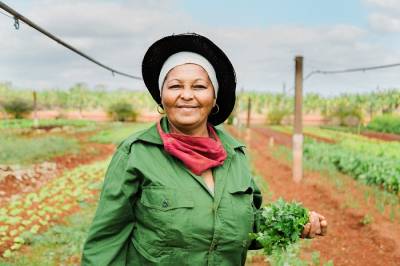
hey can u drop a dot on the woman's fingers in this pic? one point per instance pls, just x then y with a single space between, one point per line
315 225
324 227
306 230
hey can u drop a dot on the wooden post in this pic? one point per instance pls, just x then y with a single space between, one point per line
248 112
35 117
298 125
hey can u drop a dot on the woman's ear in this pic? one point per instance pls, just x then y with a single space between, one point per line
215 102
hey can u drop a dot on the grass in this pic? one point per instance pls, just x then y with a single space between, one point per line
28 123
118 132
23 150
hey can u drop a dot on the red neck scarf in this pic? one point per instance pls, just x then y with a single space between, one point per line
197 153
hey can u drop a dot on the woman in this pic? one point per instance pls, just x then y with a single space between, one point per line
180 192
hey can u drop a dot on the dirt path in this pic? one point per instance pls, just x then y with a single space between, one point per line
381 136
350 242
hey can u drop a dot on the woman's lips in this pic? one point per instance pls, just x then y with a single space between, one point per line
187 106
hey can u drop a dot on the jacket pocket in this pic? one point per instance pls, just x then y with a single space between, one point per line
242 198
165 199
166 214
238 213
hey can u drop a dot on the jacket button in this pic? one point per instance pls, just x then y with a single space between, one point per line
165 203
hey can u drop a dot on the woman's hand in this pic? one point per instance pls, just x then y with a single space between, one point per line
317 225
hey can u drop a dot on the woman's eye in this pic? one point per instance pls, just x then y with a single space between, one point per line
199 87
176 86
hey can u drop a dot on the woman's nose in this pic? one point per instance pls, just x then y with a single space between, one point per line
187 93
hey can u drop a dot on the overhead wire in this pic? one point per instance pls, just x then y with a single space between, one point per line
359 69
17 17
5 14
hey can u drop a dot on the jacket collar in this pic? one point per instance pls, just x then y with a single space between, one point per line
151 136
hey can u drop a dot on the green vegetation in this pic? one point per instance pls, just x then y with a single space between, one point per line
291 256
29 123
346 112
122 111
279 108
118 132
276 116
60 245
78 97
18 108
385 123
368 160
46 207
365 163
23 150
281 226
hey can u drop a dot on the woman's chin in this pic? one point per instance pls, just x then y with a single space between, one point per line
187 121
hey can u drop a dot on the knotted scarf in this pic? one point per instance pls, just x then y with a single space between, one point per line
197 153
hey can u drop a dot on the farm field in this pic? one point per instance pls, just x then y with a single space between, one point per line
363 220
310 90
50 178
49 194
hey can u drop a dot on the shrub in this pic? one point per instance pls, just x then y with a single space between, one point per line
385 123
276 115
18 108
122 111
348 114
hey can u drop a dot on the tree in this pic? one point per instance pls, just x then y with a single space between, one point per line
18 108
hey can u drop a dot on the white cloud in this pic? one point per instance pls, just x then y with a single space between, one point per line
385 15
384 23
392 5
118 34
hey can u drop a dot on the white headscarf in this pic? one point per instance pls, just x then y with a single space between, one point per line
182 58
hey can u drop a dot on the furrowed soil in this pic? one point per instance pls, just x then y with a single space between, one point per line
352 238
381 136
36 175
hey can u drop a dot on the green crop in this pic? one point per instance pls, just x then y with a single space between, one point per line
281 225
367 163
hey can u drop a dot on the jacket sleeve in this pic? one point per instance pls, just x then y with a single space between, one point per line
257 200
109 235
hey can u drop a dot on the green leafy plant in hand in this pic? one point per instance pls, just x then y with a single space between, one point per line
281 225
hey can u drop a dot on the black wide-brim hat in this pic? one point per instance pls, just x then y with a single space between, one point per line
159 52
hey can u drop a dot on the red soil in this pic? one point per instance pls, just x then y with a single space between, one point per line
381 136
10 186
90 152
349 241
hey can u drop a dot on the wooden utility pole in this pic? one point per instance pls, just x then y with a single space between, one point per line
298 122
35 116
248 112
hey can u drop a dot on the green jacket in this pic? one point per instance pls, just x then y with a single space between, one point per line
154 211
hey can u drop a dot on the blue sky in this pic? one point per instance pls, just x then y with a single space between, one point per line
258 13
260 37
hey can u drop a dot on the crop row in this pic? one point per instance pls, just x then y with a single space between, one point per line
28 214
29 123
362 163
352 142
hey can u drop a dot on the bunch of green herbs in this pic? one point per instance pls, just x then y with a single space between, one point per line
281 224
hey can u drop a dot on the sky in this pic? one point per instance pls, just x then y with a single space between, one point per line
261 38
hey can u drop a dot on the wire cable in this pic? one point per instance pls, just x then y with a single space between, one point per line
360 69
1 12
17 16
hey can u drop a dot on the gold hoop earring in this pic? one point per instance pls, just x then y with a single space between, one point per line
158 110
214 113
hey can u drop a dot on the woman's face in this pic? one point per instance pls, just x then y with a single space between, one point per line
188 97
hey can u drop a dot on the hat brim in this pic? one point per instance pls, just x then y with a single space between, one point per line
159 52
